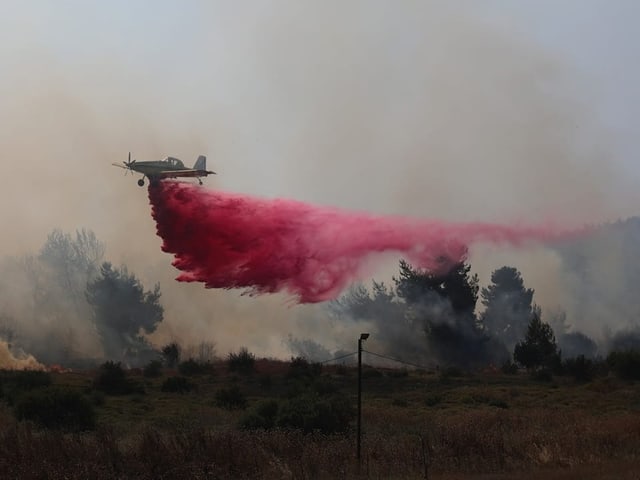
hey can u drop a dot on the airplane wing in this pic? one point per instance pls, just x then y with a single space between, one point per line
187 172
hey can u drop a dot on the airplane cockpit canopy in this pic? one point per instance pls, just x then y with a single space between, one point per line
175 162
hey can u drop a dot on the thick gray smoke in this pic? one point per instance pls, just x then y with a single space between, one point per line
411 108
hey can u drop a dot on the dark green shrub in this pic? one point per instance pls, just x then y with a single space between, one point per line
266 381
177 385
153 369
498 403
301 368
542 375
261 417
370 372
400 402
97 397
27 379
581 368
171 354
15 382
625 364
432 400
509 368
342 369
56 409
112 380
311 413
193 367
253 421
324 386
451 372
231 398
242 362
399 373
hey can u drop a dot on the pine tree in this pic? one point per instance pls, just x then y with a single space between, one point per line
538 349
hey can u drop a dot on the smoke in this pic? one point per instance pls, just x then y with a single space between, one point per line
413 109
20 362
237 241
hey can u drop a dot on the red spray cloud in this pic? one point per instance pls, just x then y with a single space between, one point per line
261 245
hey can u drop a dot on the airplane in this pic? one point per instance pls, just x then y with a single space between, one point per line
170 167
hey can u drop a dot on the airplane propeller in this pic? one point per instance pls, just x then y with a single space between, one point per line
128 164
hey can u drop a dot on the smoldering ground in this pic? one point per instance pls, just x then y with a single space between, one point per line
416 109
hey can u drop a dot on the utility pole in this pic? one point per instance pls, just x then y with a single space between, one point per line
363 337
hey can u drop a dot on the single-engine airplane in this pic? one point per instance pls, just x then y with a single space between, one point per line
170 167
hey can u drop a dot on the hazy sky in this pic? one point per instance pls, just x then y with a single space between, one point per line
461 110
202 59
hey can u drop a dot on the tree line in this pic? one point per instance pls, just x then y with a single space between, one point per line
67 302
430 317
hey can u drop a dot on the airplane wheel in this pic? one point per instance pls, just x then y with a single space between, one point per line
141 182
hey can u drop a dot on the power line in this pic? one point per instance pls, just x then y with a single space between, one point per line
338 358
397 360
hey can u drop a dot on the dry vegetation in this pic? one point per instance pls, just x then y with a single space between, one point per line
415 425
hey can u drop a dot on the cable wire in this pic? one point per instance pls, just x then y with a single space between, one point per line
339 358
397 360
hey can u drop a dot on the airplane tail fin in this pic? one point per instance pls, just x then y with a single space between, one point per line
201 163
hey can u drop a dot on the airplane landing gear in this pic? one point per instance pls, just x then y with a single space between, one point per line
141 182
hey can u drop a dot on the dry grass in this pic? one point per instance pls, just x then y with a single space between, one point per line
414 427
465 446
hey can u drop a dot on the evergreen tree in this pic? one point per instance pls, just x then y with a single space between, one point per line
444 304
123 311
538 349
508 306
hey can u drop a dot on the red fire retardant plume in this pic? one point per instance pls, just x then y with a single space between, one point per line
261 245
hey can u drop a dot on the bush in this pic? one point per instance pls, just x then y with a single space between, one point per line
230 398
311 413
56 409
433 400
580 368
261 417
370 372
266 381
153 369
400 402
243 361
625 364
324 386
112 380
171 354
399 373
299 367
498 403
97 397
342 369
447 373
177 385
509 368
193 367
15 382
542 375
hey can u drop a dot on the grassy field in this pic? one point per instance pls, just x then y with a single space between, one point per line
415 424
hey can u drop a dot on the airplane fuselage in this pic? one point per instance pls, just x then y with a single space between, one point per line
170 167
149 168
